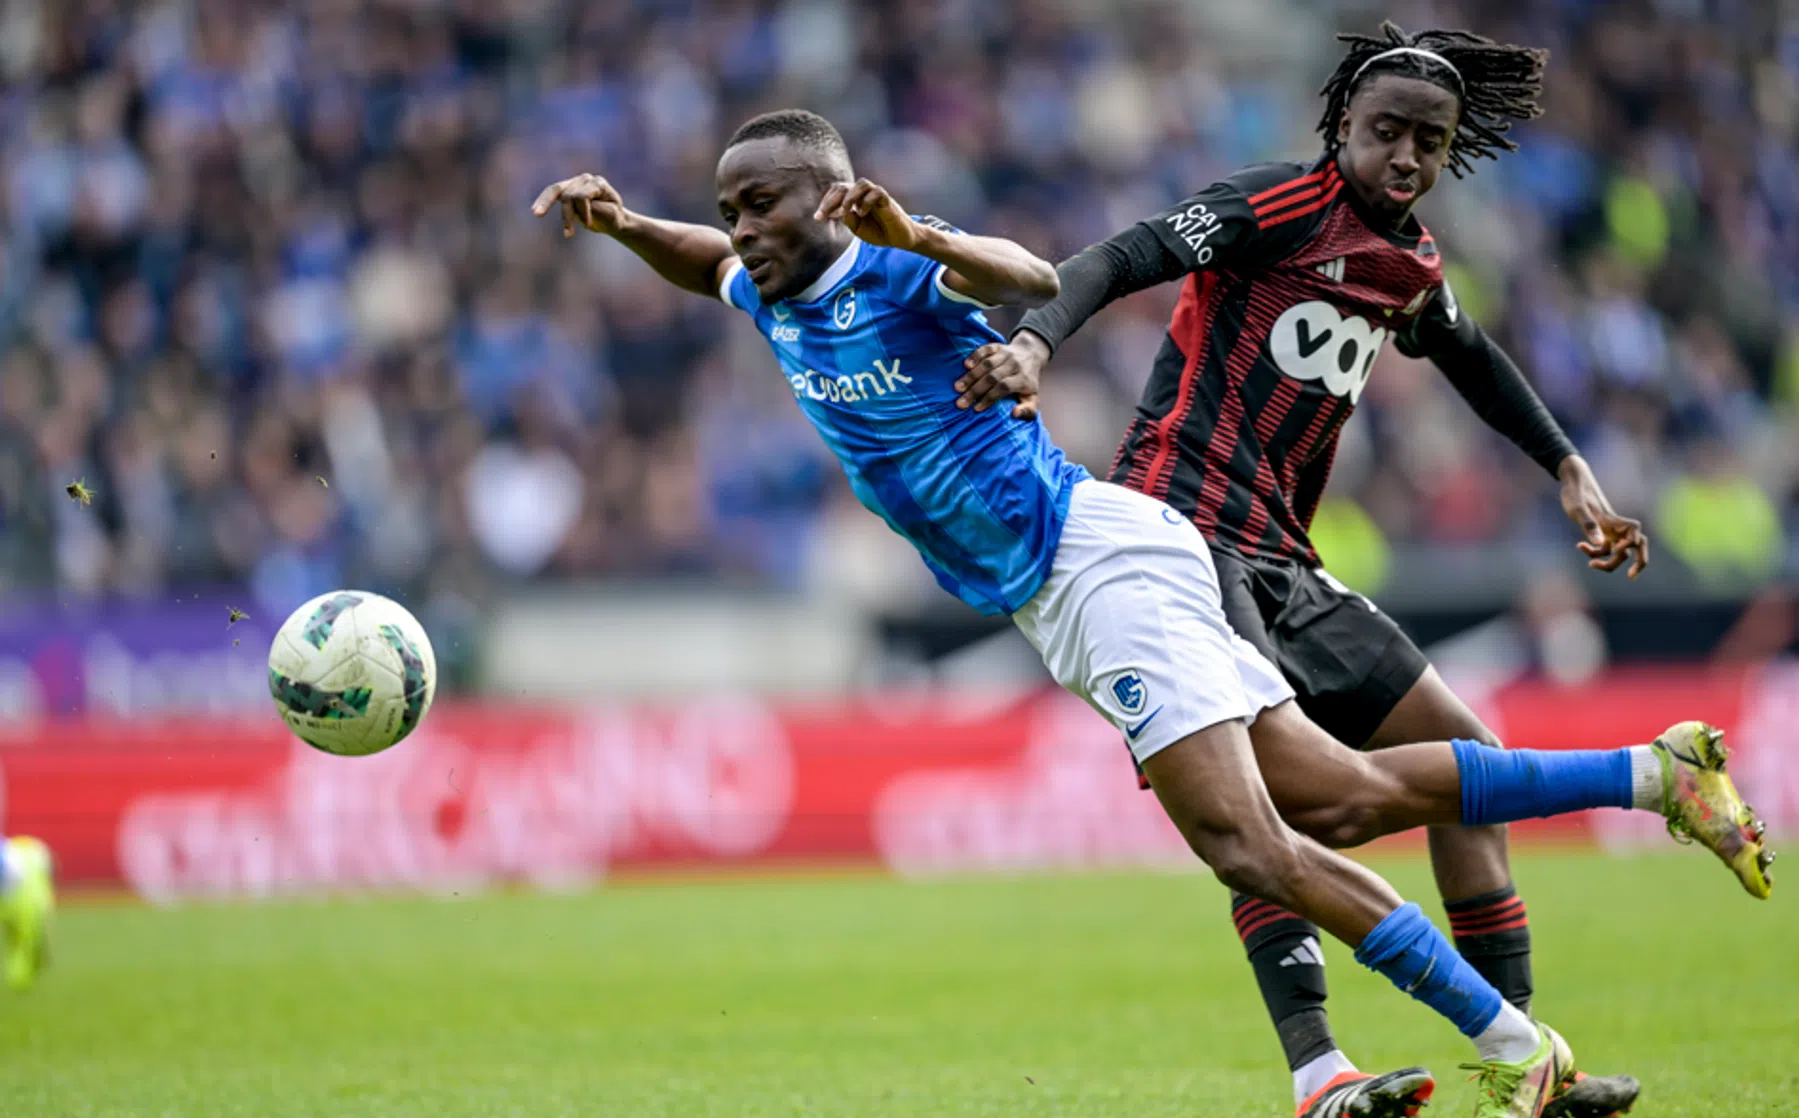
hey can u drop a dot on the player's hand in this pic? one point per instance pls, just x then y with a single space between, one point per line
871 214
1005 369
1610 538
587 200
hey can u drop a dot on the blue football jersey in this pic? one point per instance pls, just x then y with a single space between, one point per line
872 352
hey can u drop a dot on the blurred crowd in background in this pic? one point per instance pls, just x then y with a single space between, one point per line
269 283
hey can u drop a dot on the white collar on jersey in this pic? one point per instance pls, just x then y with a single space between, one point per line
833 275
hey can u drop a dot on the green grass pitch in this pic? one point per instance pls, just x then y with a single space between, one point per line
1118 996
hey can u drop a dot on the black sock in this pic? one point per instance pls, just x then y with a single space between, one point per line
1492 932
1289 966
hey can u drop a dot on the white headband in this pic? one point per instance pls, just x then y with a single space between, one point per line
1419 51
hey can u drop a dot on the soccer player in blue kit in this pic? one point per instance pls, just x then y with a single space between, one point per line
871 314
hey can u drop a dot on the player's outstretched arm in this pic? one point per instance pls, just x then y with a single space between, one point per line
990 270
1493 385
692 257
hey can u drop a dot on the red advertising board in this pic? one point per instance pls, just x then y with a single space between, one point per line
482 794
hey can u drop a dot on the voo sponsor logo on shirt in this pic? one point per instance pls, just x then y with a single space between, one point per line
1313 341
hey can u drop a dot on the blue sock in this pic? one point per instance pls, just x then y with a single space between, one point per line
1415 956
1505 785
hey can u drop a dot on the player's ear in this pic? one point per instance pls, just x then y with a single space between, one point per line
1343 128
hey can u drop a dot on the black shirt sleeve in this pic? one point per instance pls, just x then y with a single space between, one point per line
1216 228
1129 262
1486 377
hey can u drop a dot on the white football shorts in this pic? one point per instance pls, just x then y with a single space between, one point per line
1131 621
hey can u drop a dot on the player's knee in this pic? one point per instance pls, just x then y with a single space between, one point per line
1264 864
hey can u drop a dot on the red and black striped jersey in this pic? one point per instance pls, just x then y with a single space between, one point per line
1290 296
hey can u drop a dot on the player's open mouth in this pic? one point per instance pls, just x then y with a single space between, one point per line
1402 191
758 269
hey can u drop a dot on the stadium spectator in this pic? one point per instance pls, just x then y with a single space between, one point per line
295 236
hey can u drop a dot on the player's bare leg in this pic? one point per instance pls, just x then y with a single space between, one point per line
1468 861
1344 798
1474 876
1210 786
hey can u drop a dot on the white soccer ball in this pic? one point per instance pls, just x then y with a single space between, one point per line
352 672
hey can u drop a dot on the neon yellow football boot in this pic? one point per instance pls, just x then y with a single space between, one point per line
1700 802
25 910
1526 1088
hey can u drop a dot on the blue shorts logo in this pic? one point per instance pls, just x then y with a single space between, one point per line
843 311
1128 689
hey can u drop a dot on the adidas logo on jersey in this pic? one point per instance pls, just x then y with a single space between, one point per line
1307 954
1331 270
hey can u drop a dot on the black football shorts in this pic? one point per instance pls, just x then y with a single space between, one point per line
1348 662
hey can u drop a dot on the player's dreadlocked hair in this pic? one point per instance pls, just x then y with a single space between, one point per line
806 129
1495 82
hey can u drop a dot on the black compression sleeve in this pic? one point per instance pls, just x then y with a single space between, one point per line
1129 262
1499 394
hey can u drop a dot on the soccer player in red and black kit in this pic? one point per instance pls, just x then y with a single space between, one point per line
1294 277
